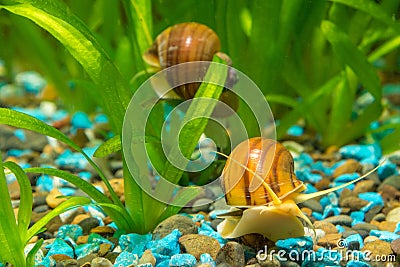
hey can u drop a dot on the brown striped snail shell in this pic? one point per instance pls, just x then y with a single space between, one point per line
260 185
186 42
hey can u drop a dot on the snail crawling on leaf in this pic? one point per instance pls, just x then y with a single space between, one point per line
260 183
187 42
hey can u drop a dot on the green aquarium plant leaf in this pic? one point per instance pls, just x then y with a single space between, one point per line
108 147
12 244
76 37
21 120
26 198
70 203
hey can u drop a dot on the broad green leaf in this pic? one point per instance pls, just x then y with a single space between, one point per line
372 9
390 143
55 17
12 246
70 203
385 48
26 198
110 146
351 56
282 99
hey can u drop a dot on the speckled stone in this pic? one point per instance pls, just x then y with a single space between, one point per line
231 253
349 166
393 215
354 203
199 244
364 186
101 262
327 227
330 240
365 226
395 246
313 204
184 224
339 219
393 180
378 248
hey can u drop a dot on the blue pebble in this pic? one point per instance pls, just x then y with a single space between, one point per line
86 249
295 130
125 259
85 176
20 134
31 81
59 246
340 228
59 115
67 191
182 260
317 215
298 244
397 230
48 262
206 227
213 214
101 118
206 258
310 189
36 113
334 184
44 183
357 216
319 166
355 238
18 152
331 209
98 239
347 177
166 246
387 169
134 243
355 263
161 258
163 263
80 120
71 230
148 264
303 160
374 198
322 258
360 152
384 235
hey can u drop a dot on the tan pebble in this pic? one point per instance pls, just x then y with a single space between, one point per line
196 245
327 227
103 230
48 149
323 184
349 166
370 238
104 249
395 245
316 247
53 200
60 257
378 248
354 203
34 239
80 217
118 185
107 220
330 240
307 211
393 215
83 239
364 186
49 93
147 257
373 222
14 190
11 158
387 226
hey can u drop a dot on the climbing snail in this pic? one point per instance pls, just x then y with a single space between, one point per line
259 182
188 42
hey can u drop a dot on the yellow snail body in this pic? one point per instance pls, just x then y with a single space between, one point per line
260 183
186 42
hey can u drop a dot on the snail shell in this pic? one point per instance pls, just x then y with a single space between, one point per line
271 161
186 42
259 175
